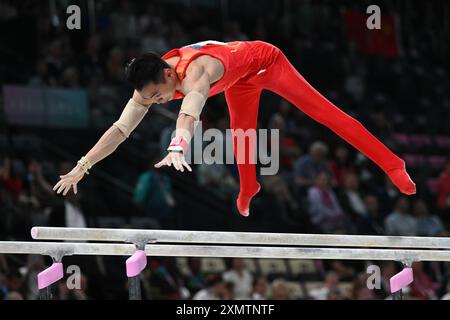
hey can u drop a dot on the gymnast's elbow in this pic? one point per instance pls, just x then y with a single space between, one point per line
120 132
188 117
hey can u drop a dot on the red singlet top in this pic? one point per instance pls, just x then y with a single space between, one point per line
235 57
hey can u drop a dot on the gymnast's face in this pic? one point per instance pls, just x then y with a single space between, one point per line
161 92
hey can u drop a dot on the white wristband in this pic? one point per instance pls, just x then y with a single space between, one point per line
85 164
178 144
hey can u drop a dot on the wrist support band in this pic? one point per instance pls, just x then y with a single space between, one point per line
178 144
85 164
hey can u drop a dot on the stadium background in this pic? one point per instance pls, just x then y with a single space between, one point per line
62 88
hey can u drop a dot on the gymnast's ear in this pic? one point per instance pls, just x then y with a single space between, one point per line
170 73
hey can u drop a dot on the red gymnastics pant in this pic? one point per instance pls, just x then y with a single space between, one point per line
283 79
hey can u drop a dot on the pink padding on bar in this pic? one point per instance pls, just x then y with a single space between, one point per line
34 232
50 275
136 263
401 279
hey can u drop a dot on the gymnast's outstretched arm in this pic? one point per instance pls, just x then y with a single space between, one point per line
131 116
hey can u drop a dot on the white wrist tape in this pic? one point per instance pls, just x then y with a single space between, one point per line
85 164
193 104
178 144
131 116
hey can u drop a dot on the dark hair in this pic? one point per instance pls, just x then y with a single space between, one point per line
147 68
213 279
256 278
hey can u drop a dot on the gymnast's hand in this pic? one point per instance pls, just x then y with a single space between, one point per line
69 180
176 159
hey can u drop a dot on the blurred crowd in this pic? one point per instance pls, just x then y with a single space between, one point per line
323 186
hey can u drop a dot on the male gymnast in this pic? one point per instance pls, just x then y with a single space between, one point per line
240 69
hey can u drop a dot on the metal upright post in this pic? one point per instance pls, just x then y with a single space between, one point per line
135 265
401 280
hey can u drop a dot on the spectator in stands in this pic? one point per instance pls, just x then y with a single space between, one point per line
241 278
446 296
355 84
90 64
336 294
216 289
124 22
360 289
38 195
324 208
330 285
177 36
4 204
3 286
344 269
211 174
13 295
55 60
15 216
428 225
167 281
3 264
196 279
114 66
230 290
279 186
382 127
308 167
100 69
444 189
35 264
76 293
423 287
16 283
352 201
290 118
279 290
70 78
153 195
41 77
284 200
216 178
342 165
401 222
10 178
260 288
288 147
37 180
69 212
366 171
153 39
388 270
374 224
387 195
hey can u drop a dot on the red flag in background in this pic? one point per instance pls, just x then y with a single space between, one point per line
382 41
